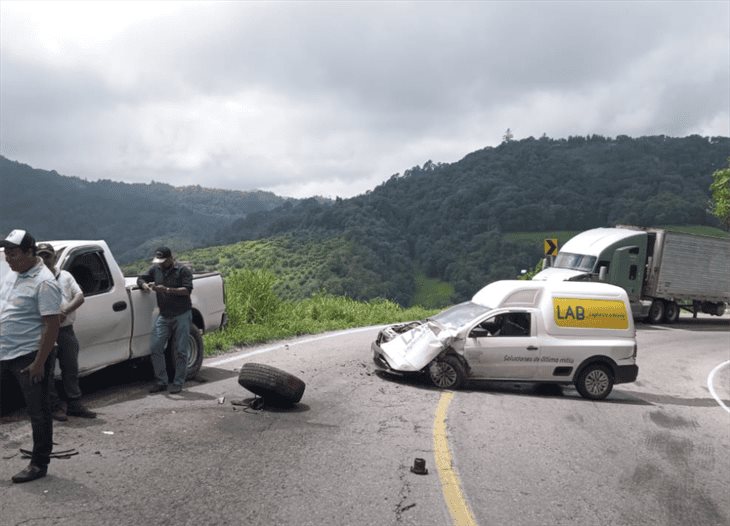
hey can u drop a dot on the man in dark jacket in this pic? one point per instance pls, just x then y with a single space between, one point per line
173 284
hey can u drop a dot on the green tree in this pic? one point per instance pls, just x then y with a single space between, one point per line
720 189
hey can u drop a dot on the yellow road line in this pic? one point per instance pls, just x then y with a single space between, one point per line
455 501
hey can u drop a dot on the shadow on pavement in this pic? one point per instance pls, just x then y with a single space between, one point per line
540 389
116 383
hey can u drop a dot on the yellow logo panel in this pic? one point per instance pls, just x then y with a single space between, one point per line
590 314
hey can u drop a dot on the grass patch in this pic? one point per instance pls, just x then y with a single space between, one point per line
257 314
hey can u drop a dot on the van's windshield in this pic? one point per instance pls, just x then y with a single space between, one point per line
460 315
575 261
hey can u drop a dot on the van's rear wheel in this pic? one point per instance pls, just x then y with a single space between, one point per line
595 382
671 312
447 372
656 311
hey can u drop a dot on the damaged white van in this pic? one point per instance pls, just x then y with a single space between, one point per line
527 331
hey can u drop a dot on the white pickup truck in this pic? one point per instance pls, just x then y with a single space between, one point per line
115 321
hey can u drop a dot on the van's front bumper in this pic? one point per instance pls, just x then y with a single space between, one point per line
626 374
379 359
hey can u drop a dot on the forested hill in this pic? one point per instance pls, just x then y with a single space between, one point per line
132 218
455 223
451 220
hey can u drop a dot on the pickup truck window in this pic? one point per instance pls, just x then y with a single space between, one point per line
90 271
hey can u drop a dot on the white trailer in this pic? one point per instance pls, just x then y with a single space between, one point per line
662 271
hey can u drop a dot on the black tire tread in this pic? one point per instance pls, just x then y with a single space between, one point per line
272 384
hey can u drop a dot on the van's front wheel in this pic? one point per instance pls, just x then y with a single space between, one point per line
447 372
595 382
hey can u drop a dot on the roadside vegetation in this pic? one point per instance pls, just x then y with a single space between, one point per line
257 314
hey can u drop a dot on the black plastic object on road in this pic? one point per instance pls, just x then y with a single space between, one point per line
275 386
419 467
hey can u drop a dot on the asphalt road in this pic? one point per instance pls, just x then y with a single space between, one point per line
654 453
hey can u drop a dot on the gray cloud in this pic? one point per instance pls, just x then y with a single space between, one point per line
332 98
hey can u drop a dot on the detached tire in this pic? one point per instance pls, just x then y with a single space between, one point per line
595 382
272 384
447 372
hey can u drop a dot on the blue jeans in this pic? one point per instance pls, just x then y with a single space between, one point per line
179 328
36 401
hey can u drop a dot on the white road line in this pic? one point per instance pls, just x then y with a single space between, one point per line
710 380
240 355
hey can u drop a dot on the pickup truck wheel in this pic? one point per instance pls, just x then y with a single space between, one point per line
595 382
671 312
656 311
447 372
196 351
273 385
195 355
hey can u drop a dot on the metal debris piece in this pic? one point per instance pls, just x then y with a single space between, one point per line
60 454
419 467
221 399
108 432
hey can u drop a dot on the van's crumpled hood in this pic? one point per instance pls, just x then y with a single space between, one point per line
413 350
558 274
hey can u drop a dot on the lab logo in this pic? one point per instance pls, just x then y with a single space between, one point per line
578 314
590 314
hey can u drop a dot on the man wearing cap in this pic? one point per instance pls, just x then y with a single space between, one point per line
173 284
30 304
67 345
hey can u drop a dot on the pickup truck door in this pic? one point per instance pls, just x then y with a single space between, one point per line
503 346
103 323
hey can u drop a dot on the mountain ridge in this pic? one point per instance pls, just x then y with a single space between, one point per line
444 221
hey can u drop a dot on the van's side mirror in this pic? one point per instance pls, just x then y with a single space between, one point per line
603 274
545 263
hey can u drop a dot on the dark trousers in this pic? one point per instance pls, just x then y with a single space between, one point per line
67 352
36 401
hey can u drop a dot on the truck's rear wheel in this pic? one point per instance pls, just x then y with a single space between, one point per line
196 352
671 312
447 372
595 382
656 311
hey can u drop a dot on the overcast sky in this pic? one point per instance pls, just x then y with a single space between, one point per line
331 98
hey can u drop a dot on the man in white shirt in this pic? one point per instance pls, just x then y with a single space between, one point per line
67 345
30 304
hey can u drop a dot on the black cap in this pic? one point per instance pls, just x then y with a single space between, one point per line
161 254
45 248
18 238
